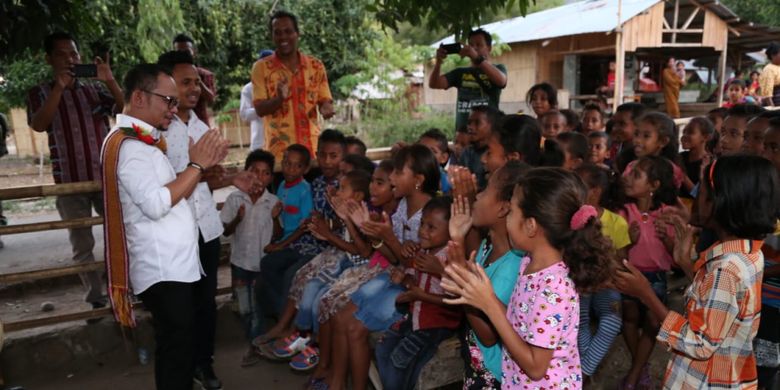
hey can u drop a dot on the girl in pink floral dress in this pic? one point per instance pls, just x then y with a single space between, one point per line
567 254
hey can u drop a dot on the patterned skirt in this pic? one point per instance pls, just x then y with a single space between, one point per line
340 291
326 266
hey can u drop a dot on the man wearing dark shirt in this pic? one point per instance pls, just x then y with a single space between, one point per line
479 84
74 112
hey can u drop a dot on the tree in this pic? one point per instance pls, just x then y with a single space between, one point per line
455 16
765 12
228 33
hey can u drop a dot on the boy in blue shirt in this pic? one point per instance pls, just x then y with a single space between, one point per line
284 259
295 194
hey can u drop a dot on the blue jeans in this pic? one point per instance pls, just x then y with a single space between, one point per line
277 271
308 306
401 354
593 346
244 288
375 302
316 287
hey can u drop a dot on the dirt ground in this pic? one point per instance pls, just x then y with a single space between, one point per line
121 371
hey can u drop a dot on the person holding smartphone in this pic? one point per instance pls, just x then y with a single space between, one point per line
74 110
479 84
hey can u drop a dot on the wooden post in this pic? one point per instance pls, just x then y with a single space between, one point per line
620 60
675 20
722 71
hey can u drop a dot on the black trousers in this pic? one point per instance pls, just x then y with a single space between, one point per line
205 307
172 316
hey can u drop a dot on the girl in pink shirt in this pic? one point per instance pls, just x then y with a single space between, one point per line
567 254
649 185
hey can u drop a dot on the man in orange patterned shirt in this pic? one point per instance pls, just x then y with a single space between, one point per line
288 89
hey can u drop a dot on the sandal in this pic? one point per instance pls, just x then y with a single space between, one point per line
250 358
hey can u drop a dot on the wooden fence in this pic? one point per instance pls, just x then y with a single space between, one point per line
56 272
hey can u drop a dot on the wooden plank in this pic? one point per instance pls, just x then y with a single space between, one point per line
50 273
685 31
588 50
722 72
78 316
50 190
690 18
674 22
715 32
50 225
620 54
681 45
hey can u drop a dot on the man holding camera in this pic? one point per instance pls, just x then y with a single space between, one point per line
479 84
74 111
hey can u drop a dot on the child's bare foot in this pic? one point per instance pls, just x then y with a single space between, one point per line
273 333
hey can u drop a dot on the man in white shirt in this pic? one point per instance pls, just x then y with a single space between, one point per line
247 112
184 126
159 227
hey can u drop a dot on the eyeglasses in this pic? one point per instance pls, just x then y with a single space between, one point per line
170 100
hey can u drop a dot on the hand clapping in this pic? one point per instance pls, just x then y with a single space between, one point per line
210 149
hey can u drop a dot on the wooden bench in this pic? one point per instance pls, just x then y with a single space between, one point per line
446 367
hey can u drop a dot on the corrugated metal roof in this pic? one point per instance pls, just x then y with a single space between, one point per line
589 16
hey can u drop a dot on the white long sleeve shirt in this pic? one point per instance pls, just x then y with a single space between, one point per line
247 113
162 239
204 208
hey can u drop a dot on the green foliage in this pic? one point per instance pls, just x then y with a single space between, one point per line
383 58
765 12
457 16
228 33
384 128
425 21
19 76
158 22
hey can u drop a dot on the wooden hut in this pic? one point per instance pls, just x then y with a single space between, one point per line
571 46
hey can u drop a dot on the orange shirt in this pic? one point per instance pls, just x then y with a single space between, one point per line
712 343
296 122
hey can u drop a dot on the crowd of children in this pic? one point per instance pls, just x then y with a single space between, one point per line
536 240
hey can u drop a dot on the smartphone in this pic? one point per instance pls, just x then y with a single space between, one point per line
84 70
452 48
